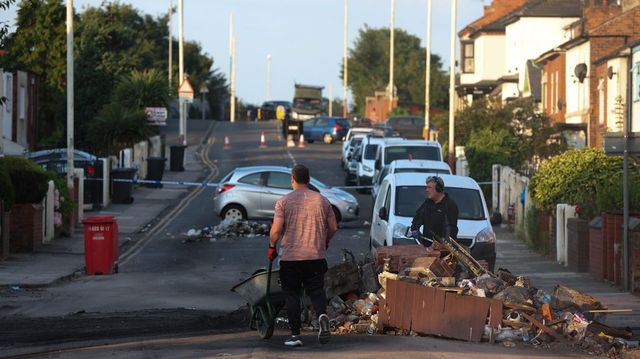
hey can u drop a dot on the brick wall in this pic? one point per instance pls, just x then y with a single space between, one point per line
578 245
26 227
596 252
552 66
542 242
635 261
612 239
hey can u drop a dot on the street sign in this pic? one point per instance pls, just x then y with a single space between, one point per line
156 116
185 91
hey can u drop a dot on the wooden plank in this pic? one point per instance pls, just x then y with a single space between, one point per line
417 308
435 323
544 328
496 313
392 301
408 301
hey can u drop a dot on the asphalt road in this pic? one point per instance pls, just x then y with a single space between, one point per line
175 287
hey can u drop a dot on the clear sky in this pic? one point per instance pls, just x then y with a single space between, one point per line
304 37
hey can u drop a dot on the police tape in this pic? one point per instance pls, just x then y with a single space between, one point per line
194 184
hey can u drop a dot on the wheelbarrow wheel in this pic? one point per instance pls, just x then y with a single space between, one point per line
264 323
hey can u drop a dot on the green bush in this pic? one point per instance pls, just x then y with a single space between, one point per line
66 202
7 194
28 179
587 178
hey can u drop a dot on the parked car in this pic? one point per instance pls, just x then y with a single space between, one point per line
268 109
402 193
351 170
352 144
400 149
252 192
356 132
326 129
55 160
366 161
411 127
412 166
387 130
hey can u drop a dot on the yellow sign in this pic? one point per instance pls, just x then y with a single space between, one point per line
280 112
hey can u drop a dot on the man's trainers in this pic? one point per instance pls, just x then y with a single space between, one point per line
293 341
324 334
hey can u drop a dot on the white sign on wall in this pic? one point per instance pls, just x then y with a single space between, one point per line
156 116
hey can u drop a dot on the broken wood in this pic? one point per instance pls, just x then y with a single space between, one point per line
520 307
544 328
516 324
597 327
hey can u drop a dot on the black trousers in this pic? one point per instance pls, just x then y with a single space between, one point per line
295 274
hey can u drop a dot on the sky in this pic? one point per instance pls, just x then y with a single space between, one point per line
304 37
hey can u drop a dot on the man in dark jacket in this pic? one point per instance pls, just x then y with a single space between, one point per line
438 213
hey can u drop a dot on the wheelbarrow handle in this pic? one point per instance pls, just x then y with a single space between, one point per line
267 297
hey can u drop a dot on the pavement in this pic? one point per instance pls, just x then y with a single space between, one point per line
63 257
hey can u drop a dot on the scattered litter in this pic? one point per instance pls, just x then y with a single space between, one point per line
366 223
228 228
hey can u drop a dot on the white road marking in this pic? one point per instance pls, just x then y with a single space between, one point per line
293 160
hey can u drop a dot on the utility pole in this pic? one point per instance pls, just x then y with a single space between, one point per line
331 100
203 91
70 148
232 71
183 115
391 54
427 75
268 77
345 68
170 71
452 84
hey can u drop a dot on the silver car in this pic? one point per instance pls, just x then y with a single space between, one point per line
252 192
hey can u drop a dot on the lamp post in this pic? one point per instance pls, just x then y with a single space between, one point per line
452 84
70 95
345 68
427 77
203 91
391 53
268 77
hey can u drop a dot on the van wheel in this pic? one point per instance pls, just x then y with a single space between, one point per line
235 212
327 138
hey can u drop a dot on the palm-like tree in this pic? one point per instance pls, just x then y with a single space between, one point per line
148 88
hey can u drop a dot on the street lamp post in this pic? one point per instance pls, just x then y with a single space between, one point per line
391 53
452 84
427 77
203 91
70 95
268 77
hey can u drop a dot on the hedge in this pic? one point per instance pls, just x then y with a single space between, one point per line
29 181
587 178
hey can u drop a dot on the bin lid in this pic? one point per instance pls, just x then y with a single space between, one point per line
596 222
99 219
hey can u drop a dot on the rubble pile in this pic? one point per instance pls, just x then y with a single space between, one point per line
230 228
527 314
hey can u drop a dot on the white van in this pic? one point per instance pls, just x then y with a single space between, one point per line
392 150
435 168
401 194
355 132
366 160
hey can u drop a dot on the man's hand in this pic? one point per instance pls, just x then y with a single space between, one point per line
272 253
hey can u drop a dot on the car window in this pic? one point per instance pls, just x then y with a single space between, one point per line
254 179
383 174
381 196
279 180
411 152
321 122
370 152
387 200
227 177
409 198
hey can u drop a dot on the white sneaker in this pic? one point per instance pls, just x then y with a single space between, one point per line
293 341
324 334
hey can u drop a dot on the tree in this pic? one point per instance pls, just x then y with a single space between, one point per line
148 88
118 127
369 68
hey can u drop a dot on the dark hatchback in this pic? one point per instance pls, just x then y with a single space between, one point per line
325 128
409 127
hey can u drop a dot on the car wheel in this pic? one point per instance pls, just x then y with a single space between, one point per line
327 138
235 212
336 212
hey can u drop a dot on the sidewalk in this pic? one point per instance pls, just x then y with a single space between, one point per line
514 255
64 257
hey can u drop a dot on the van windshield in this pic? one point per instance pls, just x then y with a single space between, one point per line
393 153
409 198
370 152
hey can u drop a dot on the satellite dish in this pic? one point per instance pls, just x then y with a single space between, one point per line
610 72
580 71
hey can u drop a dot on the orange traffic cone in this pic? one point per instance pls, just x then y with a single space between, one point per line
263 142
227 144
301 142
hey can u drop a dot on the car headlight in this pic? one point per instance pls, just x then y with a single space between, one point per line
367 168
399 230
486 236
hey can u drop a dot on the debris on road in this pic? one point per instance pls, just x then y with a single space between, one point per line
228 228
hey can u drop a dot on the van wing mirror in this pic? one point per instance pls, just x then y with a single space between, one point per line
383 213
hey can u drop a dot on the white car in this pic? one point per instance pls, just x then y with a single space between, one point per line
401 194
366 160
415 166
356 132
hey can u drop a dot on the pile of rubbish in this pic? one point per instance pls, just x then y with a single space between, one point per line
529 315
230 228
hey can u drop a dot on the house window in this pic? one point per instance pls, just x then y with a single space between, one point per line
467 57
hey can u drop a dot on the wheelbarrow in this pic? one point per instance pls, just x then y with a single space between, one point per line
263 292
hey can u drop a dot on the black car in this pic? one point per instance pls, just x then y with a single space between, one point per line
409 127
269 108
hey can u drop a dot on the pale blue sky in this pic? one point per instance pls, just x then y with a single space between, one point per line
304 37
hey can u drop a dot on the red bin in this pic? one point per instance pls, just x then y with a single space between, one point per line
101 245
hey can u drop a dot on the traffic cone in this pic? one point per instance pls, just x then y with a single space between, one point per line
301 142
227 144
290 142
263 143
